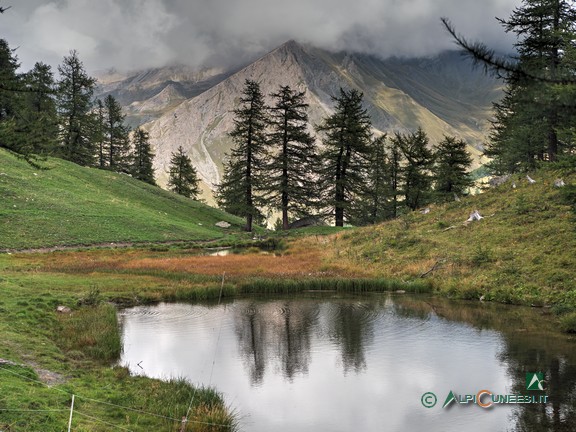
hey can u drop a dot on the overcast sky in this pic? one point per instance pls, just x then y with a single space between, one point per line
136 34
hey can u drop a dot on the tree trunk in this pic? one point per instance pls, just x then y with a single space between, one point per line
552 145
285 174
339 216
248 226
285 218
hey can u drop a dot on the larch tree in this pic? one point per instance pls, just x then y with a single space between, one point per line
98 134
452 163
376 199
39 115
290 185
74 101
182 176
416 172
10 98
116 133
530 118
346 135
240 190
142 157
395 162
533 121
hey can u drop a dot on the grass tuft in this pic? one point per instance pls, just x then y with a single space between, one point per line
568 322
91 332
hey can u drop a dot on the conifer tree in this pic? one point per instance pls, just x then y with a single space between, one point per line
378 199
531 117
116 136
533 120
10 98
451 169
74 100
290 186
395 169
143 157
416 174
98 134
239 191
39 115
346 136
183 178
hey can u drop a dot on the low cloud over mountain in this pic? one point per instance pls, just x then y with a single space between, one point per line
135 34
193 109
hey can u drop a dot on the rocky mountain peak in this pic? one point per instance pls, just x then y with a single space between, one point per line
443 95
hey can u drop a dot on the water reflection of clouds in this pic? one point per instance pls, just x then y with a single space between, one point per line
403 359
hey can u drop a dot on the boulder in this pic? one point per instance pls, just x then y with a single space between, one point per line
306 222
63 309
223 224
498 181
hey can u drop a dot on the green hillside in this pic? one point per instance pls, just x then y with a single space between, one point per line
521 252
66 204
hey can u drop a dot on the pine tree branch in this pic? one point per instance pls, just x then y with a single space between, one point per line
503 68
3 87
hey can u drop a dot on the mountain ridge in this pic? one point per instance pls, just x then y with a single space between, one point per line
442 94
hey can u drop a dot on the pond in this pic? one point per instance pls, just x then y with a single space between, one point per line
331 363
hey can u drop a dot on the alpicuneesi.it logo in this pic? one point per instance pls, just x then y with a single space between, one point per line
487 399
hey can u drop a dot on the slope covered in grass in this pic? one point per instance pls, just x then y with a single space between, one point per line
66 204
523 251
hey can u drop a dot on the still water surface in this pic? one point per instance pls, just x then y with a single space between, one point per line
357 364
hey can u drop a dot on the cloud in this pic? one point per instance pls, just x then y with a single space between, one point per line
134 34
106 33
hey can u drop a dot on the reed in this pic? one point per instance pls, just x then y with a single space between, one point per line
195 293
358 285
208 412
91 333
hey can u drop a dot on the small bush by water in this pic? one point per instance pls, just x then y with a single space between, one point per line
568 322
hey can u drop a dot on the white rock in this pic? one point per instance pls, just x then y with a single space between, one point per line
559 183
474 216
223 224
63 309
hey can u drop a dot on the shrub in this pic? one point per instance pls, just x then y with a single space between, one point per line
568 322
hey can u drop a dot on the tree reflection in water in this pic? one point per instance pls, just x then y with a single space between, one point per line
532 344
276 332
280 332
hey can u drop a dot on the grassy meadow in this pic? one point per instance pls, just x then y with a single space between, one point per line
65 204
521 252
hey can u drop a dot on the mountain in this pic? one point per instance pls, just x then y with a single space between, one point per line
148 94
442 94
